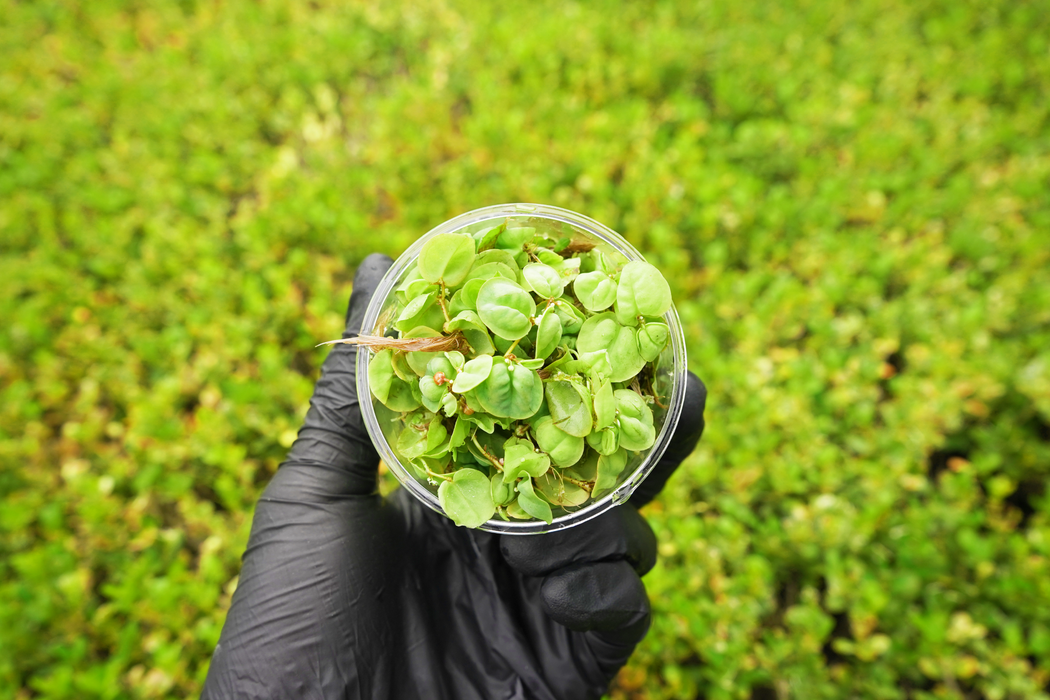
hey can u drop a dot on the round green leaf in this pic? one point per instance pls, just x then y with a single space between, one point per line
635 420
432 392
490 270
460 432
510 391
609 469
564 449
642 291
506 308
467 499
404 396
571 318
560 492
520 459
486 238
605 441
502 492
570 407
447 258
474 372
595 290
543 279
652 339
412 441
548 334
602 332
533 504
514 238
501 257
466 299
477 335
381 374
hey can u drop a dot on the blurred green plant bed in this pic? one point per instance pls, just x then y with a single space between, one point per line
850 204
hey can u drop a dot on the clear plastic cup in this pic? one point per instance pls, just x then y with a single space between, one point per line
671 367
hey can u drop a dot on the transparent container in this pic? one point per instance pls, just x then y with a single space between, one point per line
670 366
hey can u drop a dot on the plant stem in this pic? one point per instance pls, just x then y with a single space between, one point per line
488 455
441 303
446 477
587 486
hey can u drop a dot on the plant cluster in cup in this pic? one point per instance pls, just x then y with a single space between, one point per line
522 370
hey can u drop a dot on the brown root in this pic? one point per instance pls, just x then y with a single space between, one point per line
578 246
375 343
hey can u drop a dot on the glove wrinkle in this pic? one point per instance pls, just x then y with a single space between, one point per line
618 534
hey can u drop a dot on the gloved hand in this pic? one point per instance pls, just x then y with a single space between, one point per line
344 594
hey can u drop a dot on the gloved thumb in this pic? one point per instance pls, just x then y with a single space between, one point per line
333 435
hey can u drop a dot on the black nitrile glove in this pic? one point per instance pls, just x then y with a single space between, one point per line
344 594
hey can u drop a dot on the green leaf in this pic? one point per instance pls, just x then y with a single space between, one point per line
543 279
477 335
487 272
571 318
502 492
609 469
559 492
510 391
467 498
447 258
564 449
433 392
404 396
410 290
506 308
533 504
548 333
595 290
604 406
456 358
635 420
414 308
514 238
391 391
520 458
461 432
652 339
474 372
501 257
436 434
483 421
515 511
605 441
603 332
401 367
642 291
412 441
486 238
418 360
381 374
570 407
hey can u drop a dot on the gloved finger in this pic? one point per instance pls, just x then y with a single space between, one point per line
603 597
333 434
617 534
366 279
686 435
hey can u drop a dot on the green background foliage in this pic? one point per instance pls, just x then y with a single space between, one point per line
849 200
